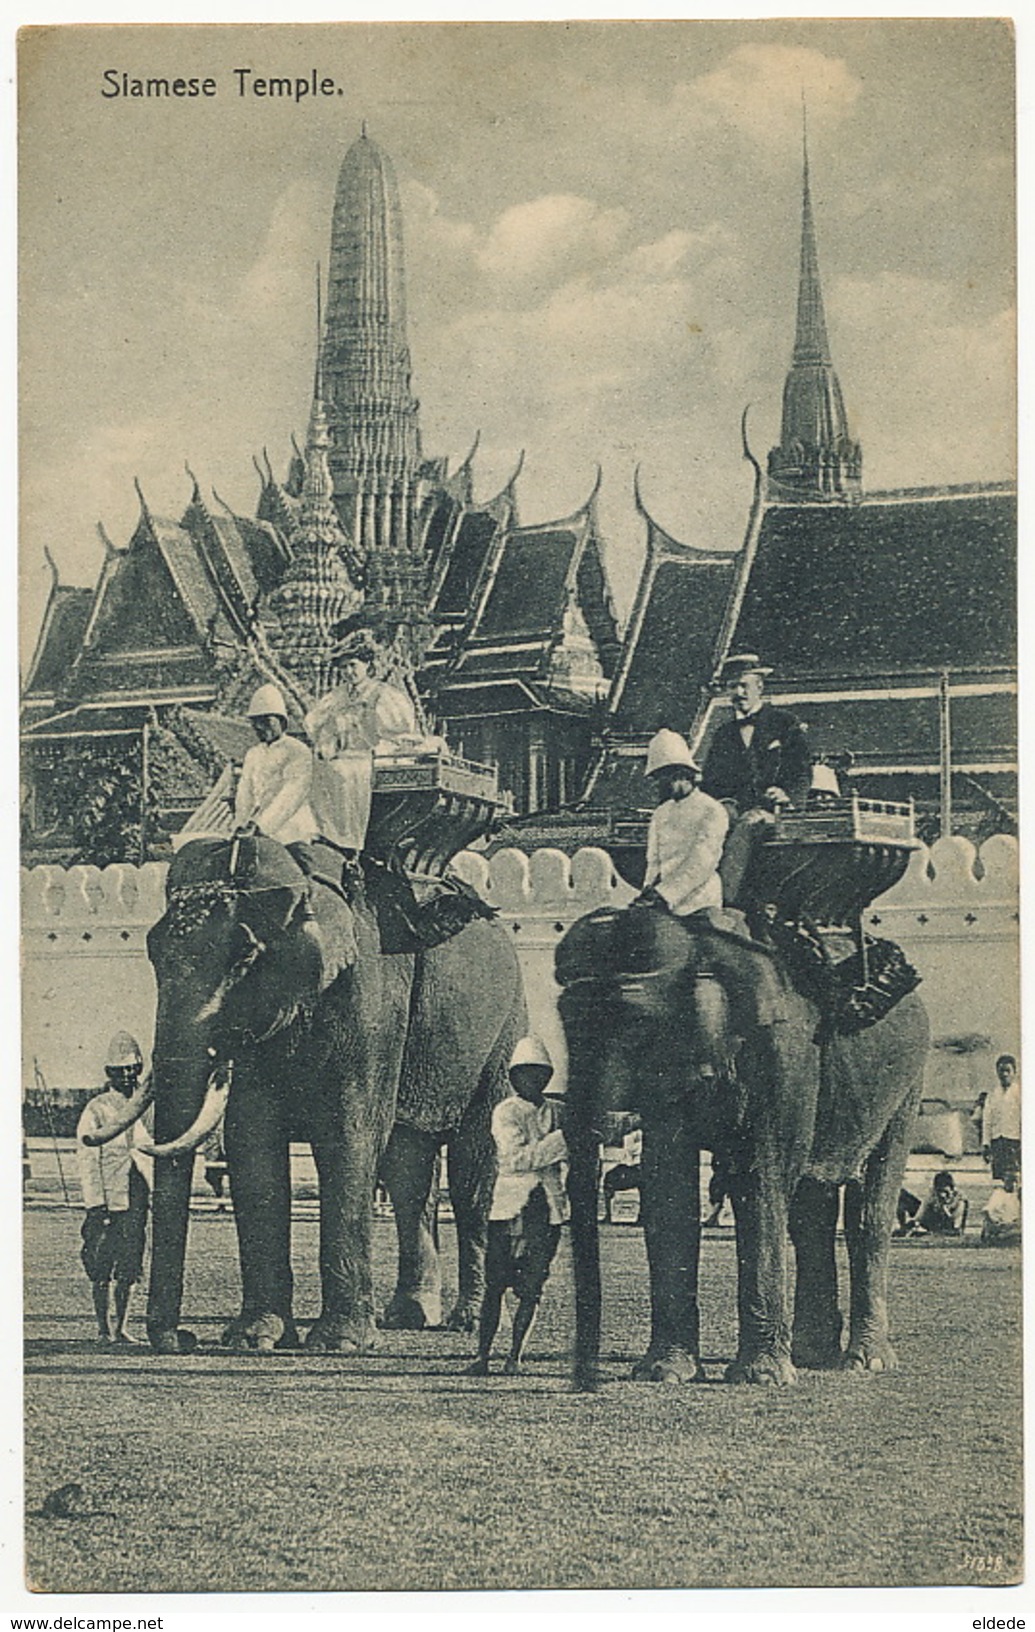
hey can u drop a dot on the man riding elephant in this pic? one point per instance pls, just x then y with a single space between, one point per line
758 762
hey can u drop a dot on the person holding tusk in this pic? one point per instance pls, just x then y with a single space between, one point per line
115 1175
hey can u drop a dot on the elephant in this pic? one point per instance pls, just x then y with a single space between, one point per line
277 1005
696 1024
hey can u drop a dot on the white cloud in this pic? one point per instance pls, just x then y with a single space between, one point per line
759 88
550 235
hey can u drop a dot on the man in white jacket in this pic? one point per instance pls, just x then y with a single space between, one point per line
686 833
277 775
529 1202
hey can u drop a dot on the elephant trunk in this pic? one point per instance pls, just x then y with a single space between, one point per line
186 1089
135 1108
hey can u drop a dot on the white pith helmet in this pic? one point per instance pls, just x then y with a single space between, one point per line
267 700
123 1050
531 1050
669 748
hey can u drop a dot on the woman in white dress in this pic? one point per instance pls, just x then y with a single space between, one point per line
358 719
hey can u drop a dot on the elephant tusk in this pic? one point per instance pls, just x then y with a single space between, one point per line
135 1109
217 1092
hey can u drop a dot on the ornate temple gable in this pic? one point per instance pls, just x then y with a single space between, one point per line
277 507
668 652
61 632
530 577
154 599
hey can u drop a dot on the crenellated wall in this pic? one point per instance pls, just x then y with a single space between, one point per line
86 971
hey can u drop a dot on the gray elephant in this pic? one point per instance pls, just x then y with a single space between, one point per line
277 1007
701 1031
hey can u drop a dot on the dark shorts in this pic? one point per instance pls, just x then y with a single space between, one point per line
113 1246
1006 1158
520 1250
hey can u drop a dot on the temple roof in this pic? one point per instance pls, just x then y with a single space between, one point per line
524 590
892 584
670 642
64 620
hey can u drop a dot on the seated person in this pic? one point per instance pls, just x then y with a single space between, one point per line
906 1213
1001 1214
360 717
945 1211
686 833
276 777
757 762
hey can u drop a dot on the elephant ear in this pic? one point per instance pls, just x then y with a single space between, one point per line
757 991
330 924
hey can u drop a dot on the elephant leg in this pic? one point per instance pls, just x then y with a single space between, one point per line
258 1163
170 1216
816 1338
408 1169
764 1347
869 1219
670 1210
347 1166
472 1174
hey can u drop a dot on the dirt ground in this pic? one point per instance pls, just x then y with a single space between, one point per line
242 1473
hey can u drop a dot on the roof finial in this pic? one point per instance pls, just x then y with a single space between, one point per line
318 378
363 129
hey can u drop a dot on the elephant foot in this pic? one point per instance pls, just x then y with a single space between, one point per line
335 1335
477 1368
770 1370
818 1349
177 1341
511 1367
463 1317
260 1334
872 1355
670 1365
410 1313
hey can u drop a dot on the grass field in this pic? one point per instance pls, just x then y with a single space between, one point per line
241 1473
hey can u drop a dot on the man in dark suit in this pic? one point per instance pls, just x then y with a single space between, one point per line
758 761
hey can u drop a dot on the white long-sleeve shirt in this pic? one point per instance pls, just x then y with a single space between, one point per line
684 847
1001 1113
530 1148
104 1169
276 780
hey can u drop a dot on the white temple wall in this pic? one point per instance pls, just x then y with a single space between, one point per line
86 971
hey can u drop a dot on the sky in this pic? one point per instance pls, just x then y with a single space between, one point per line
602 228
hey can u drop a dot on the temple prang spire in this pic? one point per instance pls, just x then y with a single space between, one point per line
816 460
375 455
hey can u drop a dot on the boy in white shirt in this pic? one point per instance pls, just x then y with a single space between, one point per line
529 1202
116 1183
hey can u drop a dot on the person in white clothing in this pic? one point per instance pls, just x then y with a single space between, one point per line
358 719
1001 1121
686 833
276 777
529 1202
116 1183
